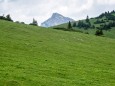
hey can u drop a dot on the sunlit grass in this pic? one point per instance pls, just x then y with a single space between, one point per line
35 56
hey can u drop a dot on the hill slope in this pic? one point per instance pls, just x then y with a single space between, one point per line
105 21
34 56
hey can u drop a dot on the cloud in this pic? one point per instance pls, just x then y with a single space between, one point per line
107 2
1 1
26 10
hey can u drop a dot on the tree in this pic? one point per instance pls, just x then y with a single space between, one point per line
74 24
113 11
80 24
84 25
87 19
34 22
22 22
99 21
2 17
17 22
93 26
88 24
69 25
8 18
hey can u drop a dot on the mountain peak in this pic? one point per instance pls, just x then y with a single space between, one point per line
56 14
56 19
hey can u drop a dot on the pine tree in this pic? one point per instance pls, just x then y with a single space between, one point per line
88 24
80 24
87 19
69 25
34 22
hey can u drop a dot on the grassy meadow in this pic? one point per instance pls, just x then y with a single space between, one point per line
36 56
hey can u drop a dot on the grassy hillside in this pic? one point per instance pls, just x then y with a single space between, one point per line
35 56
101 20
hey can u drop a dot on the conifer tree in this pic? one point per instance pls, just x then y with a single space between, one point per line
34 22
69 25
87 19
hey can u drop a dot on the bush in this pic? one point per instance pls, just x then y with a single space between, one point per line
86 33
99 33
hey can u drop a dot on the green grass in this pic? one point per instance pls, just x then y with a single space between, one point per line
111 33
35 56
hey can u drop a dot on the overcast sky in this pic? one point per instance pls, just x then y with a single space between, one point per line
41 10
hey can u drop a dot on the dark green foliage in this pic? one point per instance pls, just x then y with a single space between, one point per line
17 22
8 18
105 20
112 11
20 22
65 29
99 21
101 16
99 32
93 26
74 24
81 24
87 19
60 28
108 20
112 24
34 23
107 26
86 33
69 25
108 15
2 17
87 25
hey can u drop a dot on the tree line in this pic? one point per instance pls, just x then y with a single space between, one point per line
8 18
105 20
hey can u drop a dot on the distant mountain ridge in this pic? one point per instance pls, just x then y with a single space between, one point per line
56 19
